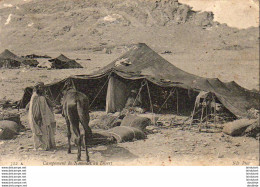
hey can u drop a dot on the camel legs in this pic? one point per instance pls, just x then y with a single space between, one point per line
68 134
74 122
78 140
84 120
87 136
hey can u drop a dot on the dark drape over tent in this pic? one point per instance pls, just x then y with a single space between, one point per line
141 64
29 62
63 62
116 95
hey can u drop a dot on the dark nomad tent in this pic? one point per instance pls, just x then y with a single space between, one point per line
161 85
10 60
63 62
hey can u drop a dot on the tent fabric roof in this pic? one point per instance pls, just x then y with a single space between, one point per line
61 58
141 62
9 59
8 55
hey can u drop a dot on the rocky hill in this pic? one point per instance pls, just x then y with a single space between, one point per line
195 41
80 25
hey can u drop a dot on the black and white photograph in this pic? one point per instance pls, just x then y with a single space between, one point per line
129 83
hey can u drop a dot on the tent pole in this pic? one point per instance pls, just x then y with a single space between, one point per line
51 95
192 115
139 92
151 104
165 102
201 117
99 91
177 101
215 105
73 84
206 111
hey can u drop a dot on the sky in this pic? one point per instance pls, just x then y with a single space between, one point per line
235 13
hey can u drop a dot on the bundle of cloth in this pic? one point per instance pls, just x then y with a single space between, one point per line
130 128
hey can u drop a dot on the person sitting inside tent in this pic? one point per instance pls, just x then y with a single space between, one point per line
41 119
134 102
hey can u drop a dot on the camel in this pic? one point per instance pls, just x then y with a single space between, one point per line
75 109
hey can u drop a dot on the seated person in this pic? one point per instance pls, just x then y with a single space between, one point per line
133 100
133 104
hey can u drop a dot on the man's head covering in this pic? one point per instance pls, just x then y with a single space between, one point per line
38 87
39 84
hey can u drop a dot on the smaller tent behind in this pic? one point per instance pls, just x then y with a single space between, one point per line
63 62
9 60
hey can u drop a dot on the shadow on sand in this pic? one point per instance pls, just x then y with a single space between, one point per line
115 152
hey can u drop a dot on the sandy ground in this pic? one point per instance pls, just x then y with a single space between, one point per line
13 81
166 146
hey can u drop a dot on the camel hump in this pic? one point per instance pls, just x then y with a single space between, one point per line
74 98
81 97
